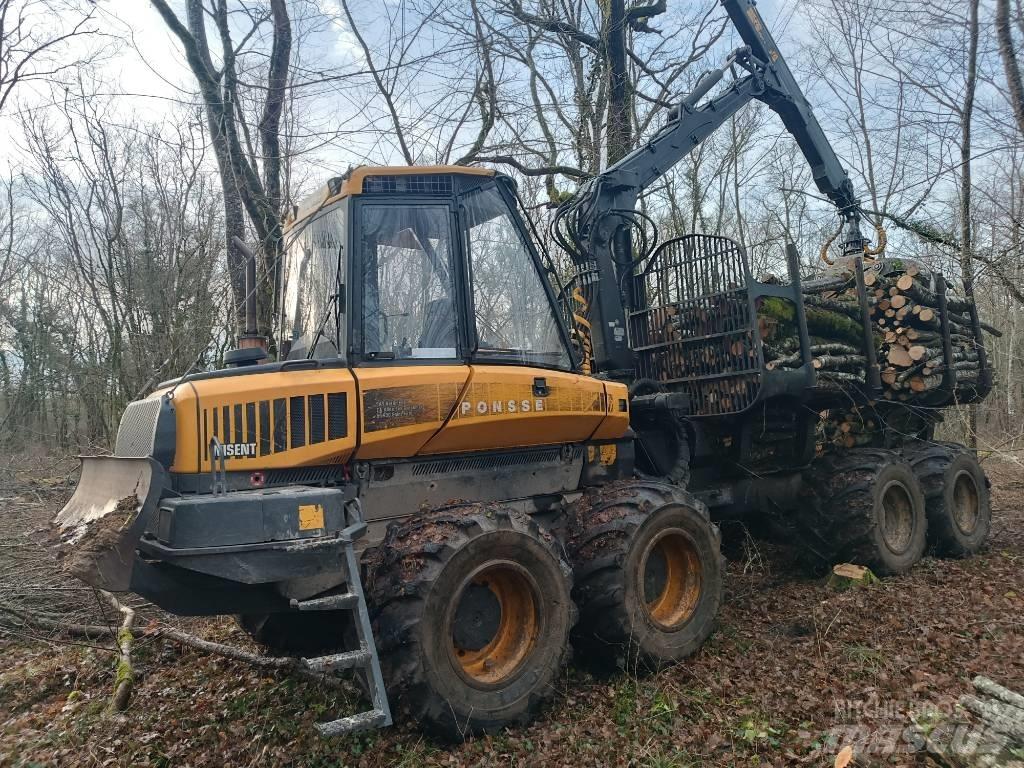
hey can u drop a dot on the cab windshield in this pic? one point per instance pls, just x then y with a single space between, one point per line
313 298
514 317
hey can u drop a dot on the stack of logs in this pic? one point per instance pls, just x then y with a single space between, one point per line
905 326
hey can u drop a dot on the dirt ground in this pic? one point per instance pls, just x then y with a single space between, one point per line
793 673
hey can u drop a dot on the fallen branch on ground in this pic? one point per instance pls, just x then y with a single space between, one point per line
123 637
125 676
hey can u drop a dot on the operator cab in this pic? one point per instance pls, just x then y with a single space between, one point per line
399 265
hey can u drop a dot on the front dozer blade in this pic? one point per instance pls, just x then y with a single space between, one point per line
99 527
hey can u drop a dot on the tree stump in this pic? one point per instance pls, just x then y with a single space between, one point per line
847 575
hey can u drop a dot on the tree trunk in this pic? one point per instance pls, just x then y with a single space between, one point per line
244 189
217 114
270 142
620 138
1009 56
966 210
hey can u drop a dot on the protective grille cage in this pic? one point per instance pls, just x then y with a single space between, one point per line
273 426
696 333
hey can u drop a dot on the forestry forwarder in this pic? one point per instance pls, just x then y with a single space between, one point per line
498 484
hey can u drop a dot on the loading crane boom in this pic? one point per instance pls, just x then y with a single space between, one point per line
595 226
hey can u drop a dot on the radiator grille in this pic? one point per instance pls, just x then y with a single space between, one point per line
297 426
136 434
305 476
265 427
337 415
417 183
476 463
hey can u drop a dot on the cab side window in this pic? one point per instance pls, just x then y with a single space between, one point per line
408 287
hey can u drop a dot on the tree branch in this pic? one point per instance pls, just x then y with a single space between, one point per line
638 15
564 170
382 87
558 27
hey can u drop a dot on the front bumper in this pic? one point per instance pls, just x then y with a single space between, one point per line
261 563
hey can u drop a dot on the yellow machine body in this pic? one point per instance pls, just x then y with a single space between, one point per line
377 399
286 419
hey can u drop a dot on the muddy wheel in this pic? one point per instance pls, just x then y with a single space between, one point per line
956 495
864 506
472 613
299 634
648 574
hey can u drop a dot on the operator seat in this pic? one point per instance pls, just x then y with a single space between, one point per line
438 324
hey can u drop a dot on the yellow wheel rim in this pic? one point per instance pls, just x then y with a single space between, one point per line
966 503
494 623
897 517
672 572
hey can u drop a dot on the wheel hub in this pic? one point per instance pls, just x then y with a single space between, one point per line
477 618
671 577
655 575
897 517
966 502
494 625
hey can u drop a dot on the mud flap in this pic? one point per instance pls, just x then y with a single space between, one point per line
98 529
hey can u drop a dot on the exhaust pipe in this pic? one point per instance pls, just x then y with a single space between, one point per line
251 344
250 291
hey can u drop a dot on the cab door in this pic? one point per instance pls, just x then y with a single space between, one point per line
522 390
408 337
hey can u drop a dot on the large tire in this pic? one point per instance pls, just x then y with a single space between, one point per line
648 574
472 611
956 494
864 506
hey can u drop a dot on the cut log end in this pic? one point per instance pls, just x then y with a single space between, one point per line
900 357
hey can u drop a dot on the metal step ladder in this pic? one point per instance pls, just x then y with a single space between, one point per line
365 656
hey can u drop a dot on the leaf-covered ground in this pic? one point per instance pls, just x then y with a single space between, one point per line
793 672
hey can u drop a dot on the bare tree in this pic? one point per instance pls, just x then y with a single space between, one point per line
119 283
36 38
251 183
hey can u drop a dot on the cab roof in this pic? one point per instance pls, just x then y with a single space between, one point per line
397 178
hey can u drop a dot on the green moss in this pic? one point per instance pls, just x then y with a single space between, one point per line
759 731
868 659
124 673
777 308
821 322
625 703
841 583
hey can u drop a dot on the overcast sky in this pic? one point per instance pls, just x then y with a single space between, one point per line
149 74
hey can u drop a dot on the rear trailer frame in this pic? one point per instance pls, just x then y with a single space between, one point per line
699 333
